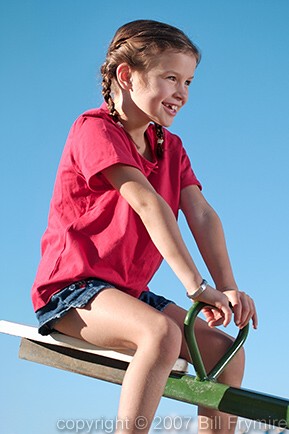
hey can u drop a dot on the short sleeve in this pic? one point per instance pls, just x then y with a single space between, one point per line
97 144
188 176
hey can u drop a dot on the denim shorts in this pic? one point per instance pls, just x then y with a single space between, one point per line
77 295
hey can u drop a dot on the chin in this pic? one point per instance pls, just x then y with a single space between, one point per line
166 124
163 123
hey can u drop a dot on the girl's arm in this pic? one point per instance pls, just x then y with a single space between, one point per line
162 227
207 230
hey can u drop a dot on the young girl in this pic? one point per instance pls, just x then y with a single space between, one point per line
121 181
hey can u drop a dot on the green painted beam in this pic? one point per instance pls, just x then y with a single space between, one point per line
240 402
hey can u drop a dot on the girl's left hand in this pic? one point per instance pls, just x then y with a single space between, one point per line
243 308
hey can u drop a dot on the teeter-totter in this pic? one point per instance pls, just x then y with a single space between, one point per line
70 354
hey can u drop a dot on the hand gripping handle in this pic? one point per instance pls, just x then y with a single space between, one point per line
201 373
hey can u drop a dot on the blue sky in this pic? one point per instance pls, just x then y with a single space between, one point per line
235 128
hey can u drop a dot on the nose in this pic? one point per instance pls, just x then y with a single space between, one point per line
181 93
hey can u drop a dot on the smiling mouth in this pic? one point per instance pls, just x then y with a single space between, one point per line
173 108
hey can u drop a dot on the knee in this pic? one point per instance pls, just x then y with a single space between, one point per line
214 344
164 338
233 374
239 358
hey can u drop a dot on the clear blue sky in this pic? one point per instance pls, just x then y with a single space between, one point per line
235 128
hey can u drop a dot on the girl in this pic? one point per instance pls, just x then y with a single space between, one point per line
121 181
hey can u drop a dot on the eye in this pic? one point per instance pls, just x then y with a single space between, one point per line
172 78
188 82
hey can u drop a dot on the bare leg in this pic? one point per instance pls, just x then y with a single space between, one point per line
213 343
116 320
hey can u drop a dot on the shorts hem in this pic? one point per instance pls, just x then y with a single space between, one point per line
77 295
49 315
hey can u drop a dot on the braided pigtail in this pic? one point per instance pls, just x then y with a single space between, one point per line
160 140
106 92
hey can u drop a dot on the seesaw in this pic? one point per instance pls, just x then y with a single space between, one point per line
74 355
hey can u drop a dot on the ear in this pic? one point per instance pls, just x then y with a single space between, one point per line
123 76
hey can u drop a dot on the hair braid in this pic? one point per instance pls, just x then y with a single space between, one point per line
106 92
160 140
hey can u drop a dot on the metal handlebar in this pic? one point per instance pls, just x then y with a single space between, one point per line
201 373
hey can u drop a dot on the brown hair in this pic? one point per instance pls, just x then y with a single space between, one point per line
138 43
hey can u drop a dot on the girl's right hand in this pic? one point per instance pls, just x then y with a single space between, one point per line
221 314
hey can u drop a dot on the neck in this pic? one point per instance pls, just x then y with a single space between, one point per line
136 133
138 136
134 121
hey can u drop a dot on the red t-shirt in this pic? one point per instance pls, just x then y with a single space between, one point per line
92 231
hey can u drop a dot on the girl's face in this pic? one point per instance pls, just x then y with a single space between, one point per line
159 93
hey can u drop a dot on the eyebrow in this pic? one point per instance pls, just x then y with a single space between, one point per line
171 71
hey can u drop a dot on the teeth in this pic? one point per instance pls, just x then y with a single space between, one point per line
172 107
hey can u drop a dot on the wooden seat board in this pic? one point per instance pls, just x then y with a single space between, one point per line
61 340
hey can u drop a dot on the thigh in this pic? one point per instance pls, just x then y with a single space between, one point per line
212 342
111 319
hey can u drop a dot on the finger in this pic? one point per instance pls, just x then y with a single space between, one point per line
237 309
248 311
213 316
208 314
216 322
217 318
254 316
227 313
234 298
245 310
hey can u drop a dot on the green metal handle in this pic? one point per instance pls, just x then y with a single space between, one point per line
194 349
